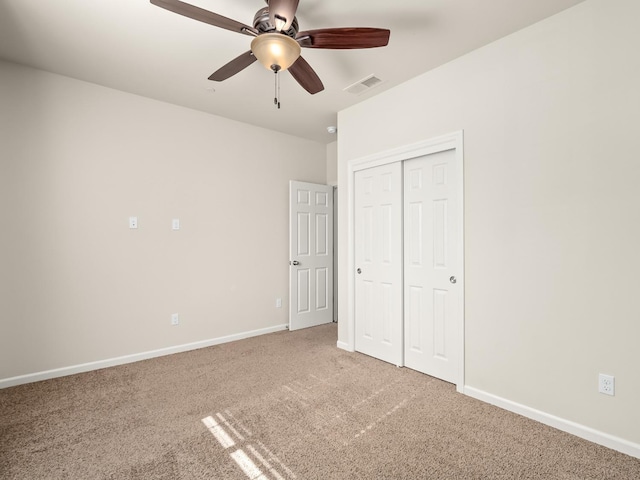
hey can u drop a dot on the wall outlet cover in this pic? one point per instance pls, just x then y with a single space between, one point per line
606 384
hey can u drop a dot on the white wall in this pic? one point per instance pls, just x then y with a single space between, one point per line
552 208
76 285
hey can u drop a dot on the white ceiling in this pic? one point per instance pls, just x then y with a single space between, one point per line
136 47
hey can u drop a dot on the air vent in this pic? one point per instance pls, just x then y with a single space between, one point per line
363 85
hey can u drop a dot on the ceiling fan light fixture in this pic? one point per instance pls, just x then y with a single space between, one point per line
275 49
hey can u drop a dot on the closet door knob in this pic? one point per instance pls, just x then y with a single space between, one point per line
359 271
453 280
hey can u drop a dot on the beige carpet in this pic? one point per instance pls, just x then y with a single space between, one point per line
282 406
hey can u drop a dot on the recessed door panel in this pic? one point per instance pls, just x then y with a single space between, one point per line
322 199
414 238
304 230
322 234
322 288
440 231
304 284
303 196
367 309
440 323
386 293
366 232
413 319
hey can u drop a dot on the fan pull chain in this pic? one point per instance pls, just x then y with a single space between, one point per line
276 100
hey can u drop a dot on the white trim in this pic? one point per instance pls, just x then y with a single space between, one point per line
344 346
407 152
459 142
112 362
452 141
590 434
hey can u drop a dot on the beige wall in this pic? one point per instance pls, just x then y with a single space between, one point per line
552 207
332 163
76 285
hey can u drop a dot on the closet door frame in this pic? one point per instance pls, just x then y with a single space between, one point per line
452 141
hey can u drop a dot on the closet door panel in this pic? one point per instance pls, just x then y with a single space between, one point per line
378 263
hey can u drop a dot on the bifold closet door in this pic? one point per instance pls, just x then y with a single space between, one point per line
378 262
431 296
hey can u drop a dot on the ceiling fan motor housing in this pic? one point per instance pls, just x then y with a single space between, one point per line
262 23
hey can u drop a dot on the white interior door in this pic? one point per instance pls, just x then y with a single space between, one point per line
311 255
378 262
431 263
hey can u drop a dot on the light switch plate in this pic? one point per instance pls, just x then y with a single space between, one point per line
133 222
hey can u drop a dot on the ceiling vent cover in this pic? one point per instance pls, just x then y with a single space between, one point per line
363 85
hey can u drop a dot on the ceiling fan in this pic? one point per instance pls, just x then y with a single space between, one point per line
277 41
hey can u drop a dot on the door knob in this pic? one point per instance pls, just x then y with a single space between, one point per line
453 280
295 262
359 271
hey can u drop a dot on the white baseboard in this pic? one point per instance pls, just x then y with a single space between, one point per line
344 346
112 362
588 433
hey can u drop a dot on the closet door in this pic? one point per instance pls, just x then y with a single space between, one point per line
431 295
378 262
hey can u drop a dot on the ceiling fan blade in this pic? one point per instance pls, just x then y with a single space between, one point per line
205 16
234 66
306 76
344 38
284 11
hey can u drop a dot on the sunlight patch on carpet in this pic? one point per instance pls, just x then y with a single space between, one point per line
221 435
248 466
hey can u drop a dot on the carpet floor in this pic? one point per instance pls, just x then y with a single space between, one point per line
288 405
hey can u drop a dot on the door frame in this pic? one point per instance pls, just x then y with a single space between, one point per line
452 141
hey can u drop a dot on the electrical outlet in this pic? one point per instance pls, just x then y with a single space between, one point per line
606 384
278 303
133 222
175 319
